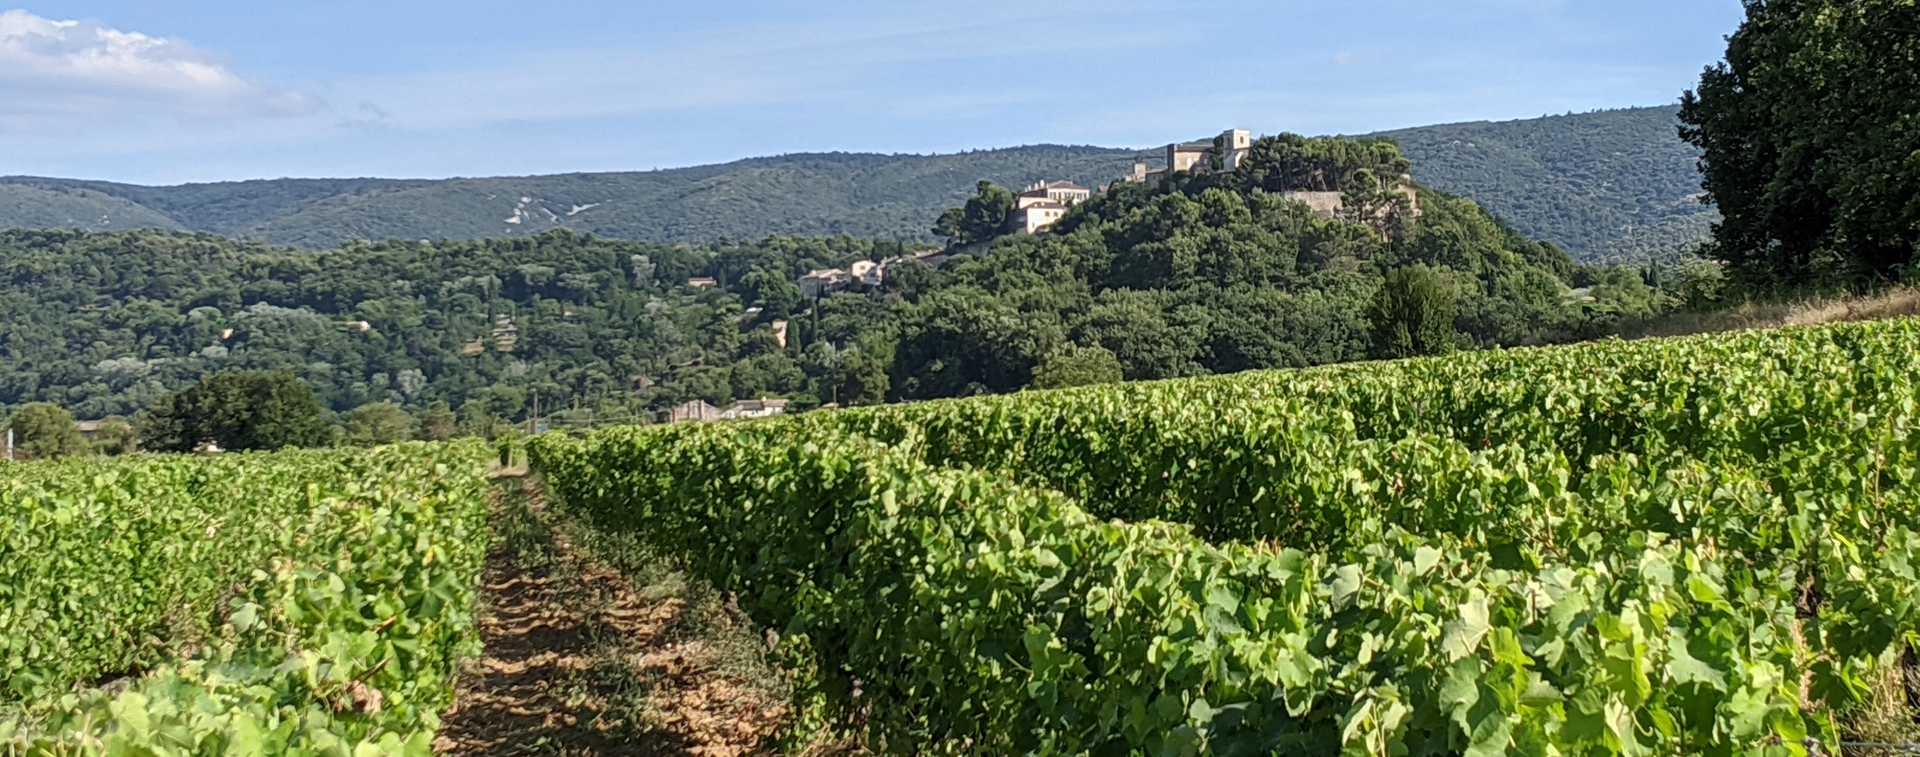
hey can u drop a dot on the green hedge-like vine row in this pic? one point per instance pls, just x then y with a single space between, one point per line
956 608
1313 457
305 603
1697 546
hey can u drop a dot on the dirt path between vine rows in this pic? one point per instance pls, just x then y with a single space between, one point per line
579 660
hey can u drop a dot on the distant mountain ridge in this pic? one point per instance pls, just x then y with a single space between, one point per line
1615 185
1612 185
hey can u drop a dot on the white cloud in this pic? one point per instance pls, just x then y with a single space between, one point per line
55 74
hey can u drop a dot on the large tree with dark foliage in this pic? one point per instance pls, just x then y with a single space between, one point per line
1412 315
1811 135
238 410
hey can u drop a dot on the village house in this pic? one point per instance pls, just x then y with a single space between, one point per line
823 281
1041 205
759 408
1037 217
702 283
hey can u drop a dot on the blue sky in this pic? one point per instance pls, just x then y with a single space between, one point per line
168 91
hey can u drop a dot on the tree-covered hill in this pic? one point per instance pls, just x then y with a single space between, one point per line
1206 274
1612 185
872 196
74 206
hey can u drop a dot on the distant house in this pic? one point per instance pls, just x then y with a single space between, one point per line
1063 192
821 282
824 281
696 411
1036 217
89 429
1042 204
642 384
702 283
759 408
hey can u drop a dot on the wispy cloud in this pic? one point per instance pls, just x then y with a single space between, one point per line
55 74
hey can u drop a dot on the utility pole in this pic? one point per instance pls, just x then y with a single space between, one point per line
9 444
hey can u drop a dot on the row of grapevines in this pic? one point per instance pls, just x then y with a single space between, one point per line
308 602
954 606
1483 442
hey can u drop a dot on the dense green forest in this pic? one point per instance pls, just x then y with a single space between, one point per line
1613 185
1204 275
105 323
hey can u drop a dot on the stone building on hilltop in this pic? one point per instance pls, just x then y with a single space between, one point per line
1232 148
1195 157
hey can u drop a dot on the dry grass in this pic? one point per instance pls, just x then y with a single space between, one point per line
1899 302
1889 716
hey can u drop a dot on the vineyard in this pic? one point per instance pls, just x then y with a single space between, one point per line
1701 546
294 603
1696 546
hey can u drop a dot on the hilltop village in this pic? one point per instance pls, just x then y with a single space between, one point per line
1041 205
1033 211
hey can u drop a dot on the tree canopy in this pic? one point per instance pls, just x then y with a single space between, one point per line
237 410
1412 315
1293 163
984 217
1808 131
44 431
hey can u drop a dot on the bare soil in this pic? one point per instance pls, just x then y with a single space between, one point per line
579 662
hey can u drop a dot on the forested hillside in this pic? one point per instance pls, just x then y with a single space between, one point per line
869 196
1612 185
1212 274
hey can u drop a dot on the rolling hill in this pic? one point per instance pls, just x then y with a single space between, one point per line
1611 185
1606 185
